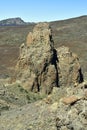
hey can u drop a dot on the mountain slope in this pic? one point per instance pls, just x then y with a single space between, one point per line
12 21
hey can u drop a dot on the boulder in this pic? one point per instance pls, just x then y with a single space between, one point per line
70 100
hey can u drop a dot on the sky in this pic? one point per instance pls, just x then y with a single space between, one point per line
42 10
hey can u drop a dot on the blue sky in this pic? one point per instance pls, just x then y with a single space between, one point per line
42 10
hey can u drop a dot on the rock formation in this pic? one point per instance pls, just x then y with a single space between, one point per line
44 69
41 67
69 68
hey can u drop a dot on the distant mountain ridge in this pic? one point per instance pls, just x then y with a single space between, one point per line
18 21
12 21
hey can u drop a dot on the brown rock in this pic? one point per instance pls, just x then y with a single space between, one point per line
29 39
41 67
41 33
34 68
70 100
69 67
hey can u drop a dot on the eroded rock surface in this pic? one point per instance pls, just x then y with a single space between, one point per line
41 67
69 68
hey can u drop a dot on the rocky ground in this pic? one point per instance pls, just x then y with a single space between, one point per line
55 112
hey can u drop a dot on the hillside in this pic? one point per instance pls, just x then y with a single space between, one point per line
70 32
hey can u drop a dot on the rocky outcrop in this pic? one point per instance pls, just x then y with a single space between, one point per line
42 33
41 67
69 68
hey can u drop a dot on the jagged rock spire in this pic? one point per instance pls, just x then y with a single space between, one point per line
41 67
42 33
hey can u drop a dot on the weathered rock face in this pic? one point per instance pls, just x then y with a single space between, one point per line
41 67
34 67
41 34
69 67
